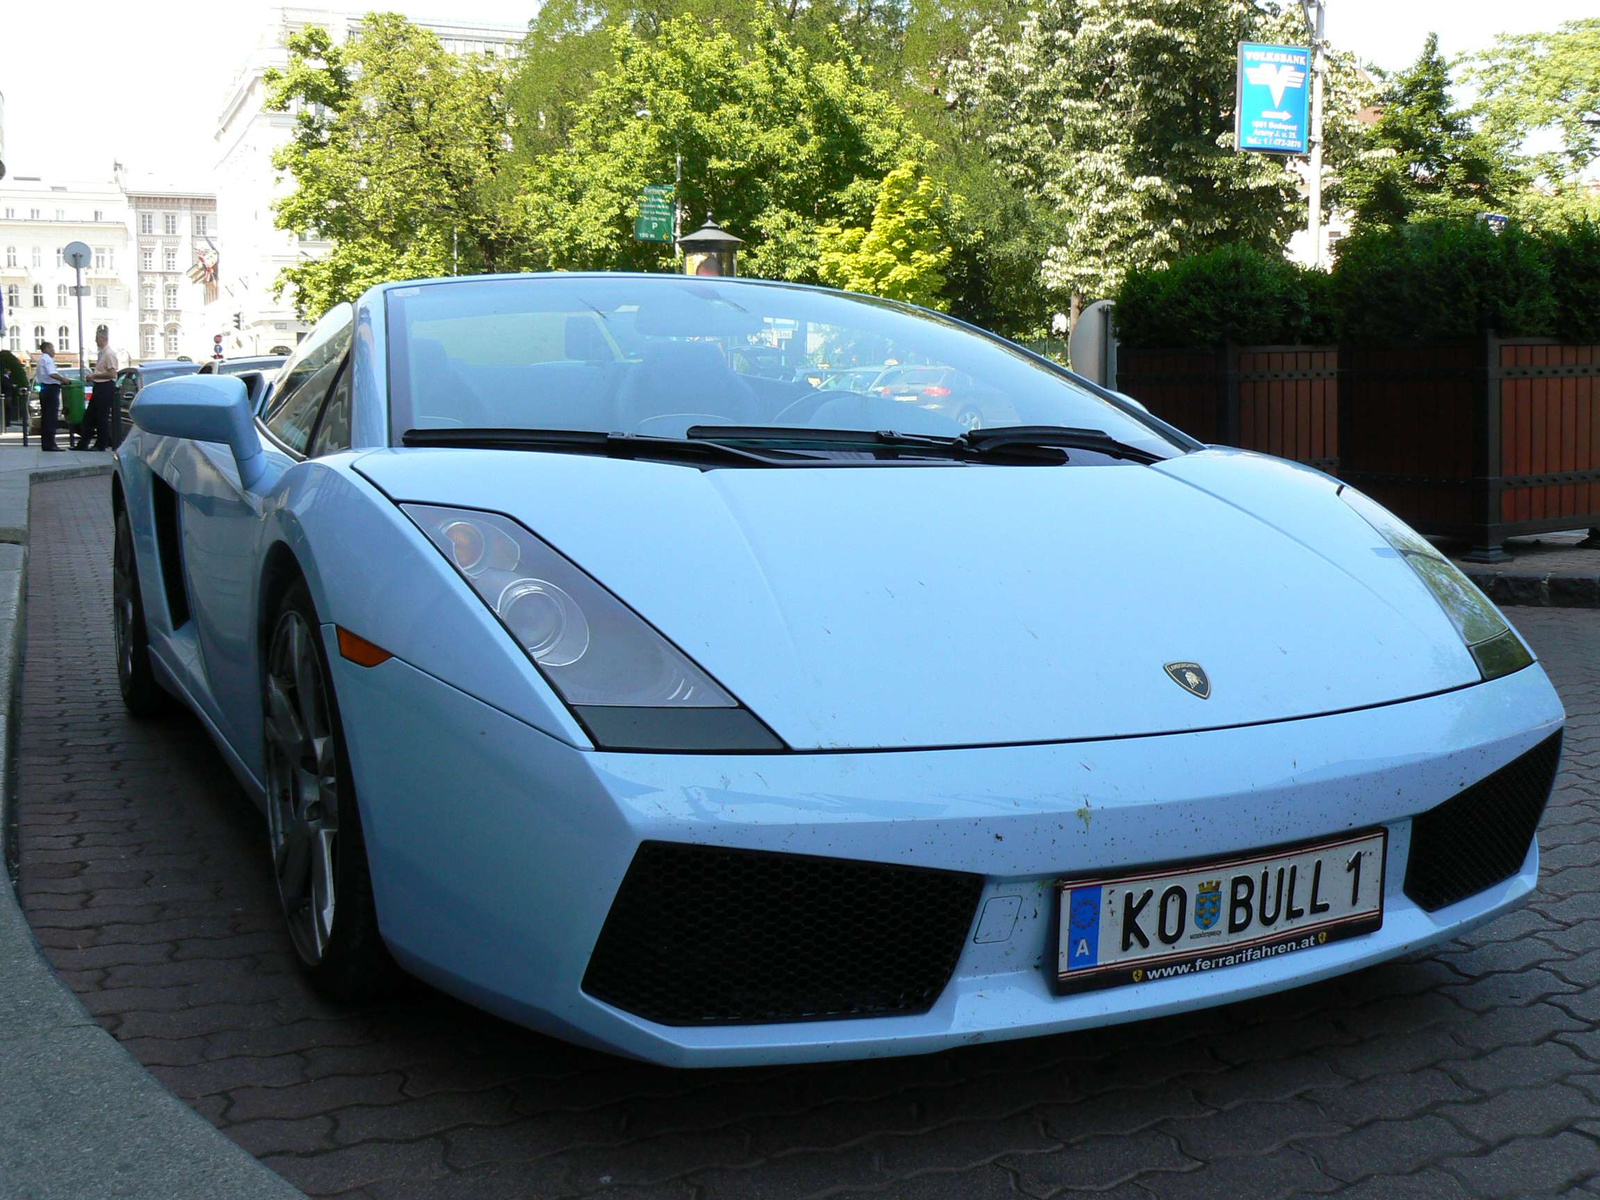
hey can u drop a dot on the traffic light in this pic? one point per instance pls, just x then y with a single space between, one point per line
238 320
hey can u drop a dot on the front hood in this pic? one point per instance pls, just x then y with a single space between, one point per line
921 606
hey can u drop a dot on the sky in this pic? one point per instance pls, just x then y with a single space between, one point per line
142 83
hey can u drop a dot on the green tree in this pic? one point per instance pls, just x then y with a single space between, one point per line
1543 83
773 141
1116 118
903 253
395 158
1423 158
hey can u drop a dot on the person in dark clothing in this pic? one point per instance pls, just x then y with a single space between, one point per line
50 381
97 417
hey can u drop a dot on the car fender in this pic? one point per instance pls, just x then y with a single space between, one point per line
372 571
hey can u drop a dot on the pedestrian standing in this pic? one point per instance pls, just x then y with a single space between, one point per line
50 381
97 420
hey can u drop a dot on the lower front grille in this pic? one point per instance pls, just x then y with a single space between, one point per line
705 935
1479 838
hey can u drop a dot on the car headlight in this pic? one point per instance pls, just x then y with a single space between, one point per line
1495 646
628 686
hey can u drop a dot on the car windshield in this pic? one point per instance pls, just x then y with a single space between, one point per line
658 355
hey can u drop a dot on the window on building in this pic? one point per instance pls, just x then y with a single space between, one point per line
200 224
11 256
15 339
147 343
99 215
61 214
172 296
33 214
99 258
11 214
13 295
38 256
102 296
63 338
61 258
38 295
169 223
172 339
147 296
147 222
147 260
62 299
38 335
171 259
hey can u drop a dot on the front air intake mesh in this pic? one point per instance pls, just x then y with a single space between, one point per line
702 935
1479 838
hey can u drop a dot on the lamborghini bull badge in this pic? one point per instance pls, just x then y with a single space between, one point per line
1191 677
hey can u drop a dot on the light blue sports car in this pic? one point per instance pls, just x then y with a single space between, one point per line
594 665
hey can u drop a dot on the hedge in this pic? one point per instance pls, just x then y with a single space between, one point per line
1430 281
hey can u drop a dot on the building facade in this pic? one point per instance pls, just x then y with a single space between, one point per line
177 247
252 319
38 218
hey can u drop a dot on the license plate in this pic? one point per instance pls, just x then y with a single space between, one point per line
1189 920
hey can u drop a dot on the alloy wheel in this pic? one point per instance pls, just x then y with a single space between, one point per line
302 786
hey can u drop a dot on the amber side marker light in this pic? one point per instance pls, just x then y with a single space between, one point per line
360 651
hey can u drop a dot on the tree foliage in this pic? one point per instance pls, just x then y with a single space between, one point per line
773 141
903 253
1424 158
395 156
1543 83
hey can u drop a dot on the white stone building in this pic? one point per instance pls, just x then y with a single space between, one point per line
38 217
177 244
247 183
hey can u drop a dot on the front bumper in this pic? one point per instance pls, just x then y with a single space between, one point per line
497 851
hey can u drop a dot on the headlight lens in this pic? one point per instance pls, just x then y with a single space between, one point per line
629 686
1495 646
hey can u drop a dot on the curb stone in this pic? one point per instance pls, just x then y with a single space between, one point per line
1544 589
83 1120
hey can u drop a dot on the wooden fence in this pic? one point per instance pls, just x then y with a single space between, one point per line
1479 441
1281 400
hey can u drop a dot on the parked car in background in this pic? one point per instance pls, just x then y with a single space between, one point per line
946 391
853 379
258 372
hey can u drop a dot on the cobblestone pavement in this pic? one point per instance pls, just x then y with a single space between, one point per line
1473 1071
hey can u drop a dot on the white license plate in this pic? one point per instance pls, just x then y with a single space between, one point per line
1188 920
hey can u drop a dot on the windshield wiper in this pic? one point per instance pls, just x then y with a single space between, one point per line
593 441
1013 437
885 442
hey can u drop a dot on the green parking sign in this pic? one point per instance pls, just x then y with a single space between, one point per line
654 222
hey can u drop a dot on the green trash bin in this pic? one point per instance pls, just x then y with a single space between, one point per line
72 402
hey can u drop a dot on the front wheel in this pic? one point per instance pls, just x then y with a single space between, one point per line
319 855
141 694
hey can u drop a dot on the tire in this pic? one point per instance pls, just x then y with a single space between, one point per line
319 855
141 694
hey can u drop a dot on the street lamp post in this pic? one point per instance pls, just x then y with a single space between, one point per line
78 256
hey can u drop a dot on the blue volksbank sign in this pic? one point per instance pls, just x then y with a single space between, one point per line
1274 99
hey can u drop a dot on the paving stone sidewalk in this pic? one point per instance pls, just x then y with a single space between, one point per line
1473 1071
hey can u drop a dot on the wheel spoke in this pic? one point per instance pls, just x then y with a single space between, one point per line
293 862
283 724
322 885
307 681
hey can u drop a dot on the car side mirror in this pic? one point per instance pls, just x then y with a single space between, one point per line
204 408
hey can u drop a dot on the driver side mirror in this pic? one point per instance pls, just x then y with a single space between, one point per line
204 408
